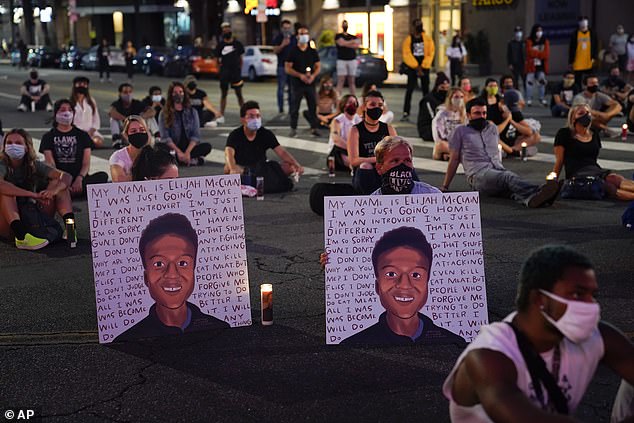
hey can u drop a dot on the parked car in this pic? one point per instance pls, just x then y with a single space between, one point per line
71 59
15 57
259 61
370 67
89 60
151 59
44 57
188 59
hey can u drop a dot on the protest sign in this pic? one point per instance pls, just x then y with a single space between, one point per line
191 232
454 298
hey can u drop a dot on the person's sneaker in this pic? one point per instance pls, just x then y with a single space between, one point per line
220 120
49 107
22 108
315 132
211 124
405 117
529 102
201 161
544 102
31 243
293 133
545 195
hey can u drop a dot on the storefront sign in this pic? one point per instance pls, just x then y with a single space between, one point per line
558 18
491 3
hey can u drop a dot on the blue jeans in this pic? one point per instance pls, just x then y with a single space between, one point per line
494 182
283 82
559 111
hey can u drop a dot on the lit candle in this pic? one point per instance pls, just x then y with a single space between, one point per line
500 152
266 301
524 152
551 176
624 132
308 70
70 232
331 166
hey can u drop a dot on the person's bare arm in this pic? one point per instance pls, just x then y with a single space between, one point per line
522 127
77 185
557 100
288 158
391 130
7 188
230 161
452 167
113 113
559 158
619 352
45 90
353 150
48 158
118 175
149 112
207 105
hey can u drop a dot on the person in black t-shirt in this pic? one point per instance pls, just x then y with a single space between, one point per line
229 52
67 148
563 94
34 94
615 86
124 107
247 145
347 45
302 66
284 41
199 101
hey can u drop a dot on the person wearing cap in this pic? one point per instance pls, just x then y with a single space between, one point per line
34 94
517 129
516 56
199 101
583 50
428 105
229 53
86 111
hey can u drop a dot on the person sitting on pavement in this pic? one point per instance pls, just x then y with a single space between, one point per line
208 115
387 116
86 111
155 100
494 103
180 129
136 135
563 94
467 89
340 129
629 111
126 106
154 162
20 172
245 151
428 105
602 107
449 116
536 365
577 149
34 94
67 148
517 130
327 100
475 146
615 87
362 139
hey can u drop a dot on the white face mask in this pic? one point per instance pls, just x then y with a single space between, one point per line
157 98
304 39
539 34
65 117
579 319
15 151
583 25
254 124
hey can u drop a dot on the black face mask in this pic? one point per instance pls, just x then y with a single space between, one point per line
227 35
81 90
33 75
419 29
478 124
517 116
398 180
441 95
374 113
593 89
191 86
138 140
177 98
584 120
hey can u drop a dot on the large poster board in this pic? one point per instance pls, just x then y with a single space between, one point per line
163 219
452 301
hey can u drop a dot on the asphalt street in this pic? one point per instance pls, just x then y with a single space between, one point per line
49 352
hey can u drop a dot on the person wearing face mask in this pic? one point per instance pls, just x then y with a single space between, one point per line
494 103
582 51
180 129
34 94
467 89
577 149
518 130
536 364
340 129
387 116
602 107
615 87
67 148
618 42
563 94
302 66
327 100
245 151
537 58
428 105
347 45
229 53
155 100
457 54
137 136
446 121
418 54
86 111
516 56
475 146
208 115
126 106
283 42
20 173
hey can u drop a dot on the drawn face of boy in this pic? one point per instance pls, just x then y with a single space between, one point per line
170 261
403 274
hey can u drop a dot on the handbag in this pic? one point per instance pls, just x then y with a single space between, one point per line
583 188
37 223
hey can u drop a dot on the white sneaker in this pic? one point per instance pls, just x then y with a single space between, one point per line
220 120
211 124
529 102
22 108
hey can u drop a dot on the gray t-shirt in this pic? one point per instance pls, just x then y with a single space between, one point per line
617 43
478 150
598 101
18 176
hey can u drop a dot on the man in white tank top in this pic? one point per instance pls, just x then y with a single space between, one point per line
558 320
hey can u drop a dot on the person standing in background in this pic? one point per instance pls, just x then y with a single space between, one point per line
516 56
457 54
284 41
582 50
418 54
129 54
537 56
103 59
229 53
618 43
347 45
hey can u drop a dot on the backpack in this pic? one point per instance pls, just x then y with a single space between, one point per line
39 224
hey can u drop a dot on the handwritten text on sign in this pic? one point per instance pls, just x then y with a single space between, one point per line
451 224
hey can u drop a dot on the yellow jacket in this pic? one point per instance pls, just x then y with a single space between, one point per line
408 57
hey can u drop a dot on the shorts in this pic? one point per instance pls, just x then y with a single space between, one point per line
234 80
347 67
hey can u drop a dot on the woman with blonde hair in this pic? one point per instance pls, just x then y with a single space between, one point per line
449 116
137 135
577 148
